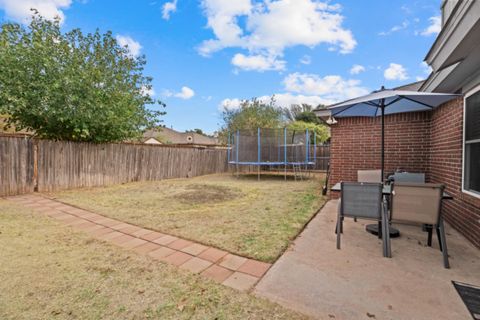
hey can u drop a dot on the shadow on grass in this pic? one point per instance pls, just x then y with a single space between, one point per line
276 176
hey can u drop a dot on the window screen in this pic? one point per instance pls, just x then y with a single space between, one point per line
472 143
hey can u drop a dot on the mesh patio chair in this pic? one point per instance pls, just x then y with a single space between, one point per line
408 177
374 176
361 200
419 204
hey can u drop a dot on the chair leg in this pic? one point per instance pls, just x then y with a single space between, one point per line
439 237
339 229
386 233
384 242
380 230
443 242
429 239
355 219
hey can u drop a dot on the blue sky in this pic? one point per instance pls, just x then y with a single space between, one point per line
206 54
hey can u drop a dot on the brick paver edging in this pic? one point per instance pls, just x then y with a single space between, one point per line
221 266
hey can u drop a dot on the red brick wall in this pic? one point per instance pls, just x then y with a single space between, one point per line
463 212
356 145
416 142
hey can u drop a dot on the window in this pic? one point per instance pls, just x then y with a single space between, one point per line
471 161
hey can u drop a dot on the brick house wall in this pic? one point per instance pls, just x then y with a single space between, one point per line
356 145
429 142
463 212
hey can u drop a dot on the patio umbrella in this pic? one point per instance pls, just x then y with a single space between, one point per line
389 101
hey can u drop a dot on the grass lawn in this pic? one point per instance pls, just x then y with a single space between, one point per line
49 271
240 215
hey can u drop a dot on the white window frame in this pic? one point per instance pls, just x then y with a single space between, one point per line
471 92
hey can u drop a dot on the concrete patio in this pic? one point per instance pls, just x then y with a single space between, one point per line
356 282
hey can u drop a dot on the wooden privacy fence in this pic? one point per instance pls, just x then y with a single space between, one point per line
66 165
16 166
322 157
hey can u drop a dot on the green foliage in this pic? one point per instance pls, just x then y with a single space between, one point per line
303 112
199 131
72 86
251 115
322 131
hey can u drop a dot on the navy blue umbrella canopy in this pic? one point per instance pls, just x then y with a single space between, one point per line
389 101
392 101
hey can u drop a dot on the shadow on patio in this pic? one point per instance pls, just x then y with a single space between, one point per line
356 282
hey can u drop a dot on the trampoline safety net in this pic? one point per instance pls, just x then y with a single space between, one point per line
271 147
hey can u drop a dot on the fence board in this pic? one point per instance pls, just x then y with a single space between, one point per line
16 166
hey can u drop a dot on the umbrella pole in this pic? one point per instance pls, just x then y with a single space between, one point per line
382 106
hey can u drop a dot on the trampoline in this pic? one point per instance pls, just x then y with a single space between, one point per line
281 148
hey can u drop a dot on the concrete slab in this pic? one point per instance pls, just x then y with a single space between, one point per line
356 282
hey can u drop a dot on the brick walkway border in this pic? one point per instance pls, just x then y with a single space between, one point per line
226 268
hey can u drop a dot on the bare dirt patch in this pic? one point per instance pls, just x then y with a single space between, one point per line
204 193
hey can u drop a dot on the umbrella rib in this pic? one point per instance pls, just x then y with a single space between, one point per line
393 101
370 103
424 104
334 114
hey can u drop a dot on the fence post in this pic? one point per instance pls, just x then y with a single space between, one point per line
35 165
285 152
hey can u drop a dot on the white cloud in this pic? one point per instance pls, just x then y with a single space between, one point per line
230 104
271 26
310 89
331 88
306 59
147 91
257 62
19 10
396 28
395 72
434 27
356 69
185 93
285 99
169 8
133 46
426 70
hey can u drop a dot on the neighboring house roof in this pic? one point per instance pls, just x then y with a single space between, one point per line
167 135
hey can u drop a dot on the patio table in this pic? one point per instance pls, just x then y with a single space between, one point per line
387 190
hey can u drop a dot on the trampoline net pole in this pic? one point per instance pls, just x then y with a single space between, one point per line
259 155
285 153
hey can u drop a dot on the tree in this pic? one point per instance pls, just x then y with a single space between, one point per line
303 112
251 115
322 131
72 86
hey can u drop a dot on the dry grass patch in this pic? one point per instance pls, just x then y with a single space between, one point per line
252 218
48 271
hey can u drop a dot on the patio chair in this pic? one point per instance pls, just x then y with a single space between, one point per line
374 176
418 204
369 176
408 177
361 200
